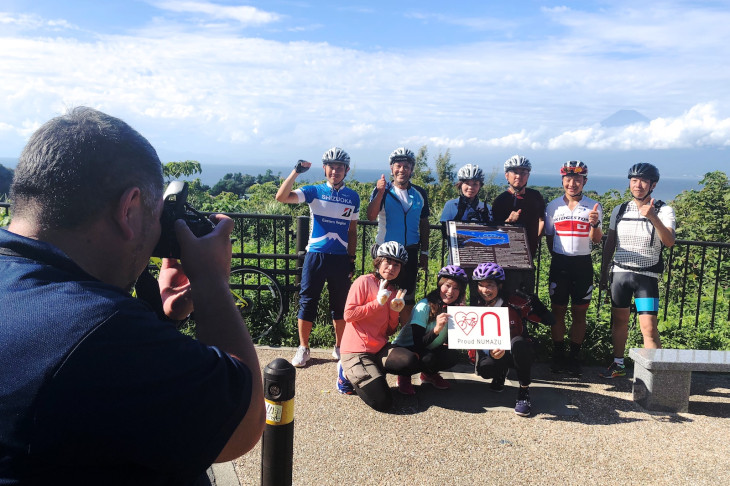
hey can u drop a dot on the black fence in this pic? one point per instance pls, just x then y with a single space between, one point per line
696 280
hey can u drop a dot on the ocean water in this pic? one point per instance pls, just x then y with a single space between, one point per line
666 190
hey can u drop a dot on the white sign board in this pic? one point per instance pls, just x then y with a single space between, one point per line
478 327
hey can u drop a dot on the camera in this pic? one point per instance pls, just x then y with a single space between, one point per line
176 207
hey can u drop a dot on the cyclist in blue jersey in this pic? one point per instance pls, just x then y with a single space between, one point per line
468 207
402 211
332 244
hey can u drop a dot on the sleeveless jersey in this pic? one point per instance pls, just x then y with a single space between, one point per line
398 221
331 211
637 244
571 229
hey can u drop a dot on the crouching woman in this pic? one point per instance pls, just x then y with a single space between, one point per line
371 314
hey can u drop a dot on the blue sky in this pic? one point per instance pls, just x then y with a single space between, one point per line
267 83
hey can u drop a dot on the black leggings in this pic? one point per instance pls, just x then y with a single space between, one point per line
432 360
520 358
376 394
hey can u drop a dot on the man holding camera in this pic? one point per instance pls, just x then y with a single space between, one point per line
330 256
95 388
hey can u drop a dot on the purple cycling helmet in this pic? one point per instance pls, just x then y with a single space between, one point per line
488 271
454 272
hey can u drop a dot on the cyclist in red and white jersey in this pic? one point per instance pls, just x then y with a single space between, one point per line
572 225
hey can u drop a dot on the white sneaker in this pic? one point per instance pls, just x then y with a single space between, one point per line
336 352
300 359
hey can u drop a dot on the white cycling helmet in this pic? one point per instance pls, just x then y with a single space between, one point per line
470 172
336 154
392 250
517 162
402 154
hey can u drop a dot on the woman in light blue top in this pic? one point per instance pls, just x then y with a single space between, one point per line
426 334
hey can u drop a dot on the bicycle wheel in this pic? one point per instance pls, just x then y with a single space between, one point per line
259 298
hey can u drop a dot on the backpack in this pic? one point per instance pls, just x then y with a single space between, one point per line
658 267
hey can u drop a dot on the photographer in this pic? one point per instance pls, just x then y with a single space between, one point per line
95 388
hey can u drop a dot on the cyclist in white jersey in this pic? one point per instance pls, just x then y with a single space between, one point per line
638 231
572 225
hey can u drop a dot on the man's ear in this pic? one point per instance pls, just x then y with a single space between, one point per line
128 210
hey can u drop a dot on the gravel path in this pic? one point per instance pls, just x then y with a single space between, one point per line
582 431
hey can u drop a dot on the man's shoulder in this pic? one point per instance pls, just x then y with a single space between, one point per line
556 203
351 193
420 189
502 197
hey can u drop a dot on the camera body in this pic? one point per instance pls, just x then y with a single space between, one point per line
176 207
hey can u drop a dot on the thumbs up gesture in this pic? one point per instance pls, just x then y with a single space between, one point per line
647 210
383 293
593 217
380 185
397 304
514 216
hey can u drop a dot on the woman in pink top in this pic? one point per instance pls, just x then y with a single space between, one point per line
371 314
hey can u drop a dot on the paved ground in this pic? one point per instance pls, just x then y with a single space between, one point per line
582 431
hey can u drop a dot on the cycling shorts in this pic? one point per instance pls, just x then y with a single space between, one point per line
409 274
317 269
643 288
571 278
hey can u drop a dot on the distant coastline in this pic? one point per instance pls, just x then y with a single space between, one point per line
668 188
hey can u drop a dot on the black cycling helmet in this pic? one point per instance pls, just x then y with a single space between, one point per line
642 170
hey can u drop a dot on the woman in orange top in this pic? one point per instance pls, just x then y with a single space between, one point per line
371 314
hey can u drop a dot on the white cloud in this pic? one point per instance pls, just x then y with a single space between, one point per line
33 22
190 89
243 14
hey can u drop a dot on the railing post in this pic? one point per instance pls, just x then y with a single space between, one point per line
302 238
277 444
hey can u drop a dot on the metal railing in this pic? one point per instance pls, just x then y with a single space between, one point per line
697 276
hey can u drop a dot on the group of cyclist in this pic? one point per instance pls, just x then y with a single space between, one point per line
377 304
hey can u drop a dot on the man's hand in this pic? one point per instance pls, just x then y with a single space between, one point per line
207 258
177 297
648 210
380 185
302 166
593 216
513 217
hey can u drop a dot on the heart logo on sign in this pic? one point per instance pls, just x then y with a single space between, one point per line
466 321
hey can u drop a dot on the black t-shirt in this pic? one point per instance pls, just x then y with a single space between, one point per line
532 205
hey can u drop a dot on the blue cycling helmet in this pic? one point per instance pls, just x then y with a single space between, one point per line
488 271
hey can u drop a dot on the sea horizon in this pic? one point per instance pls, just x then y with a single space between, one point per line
667 189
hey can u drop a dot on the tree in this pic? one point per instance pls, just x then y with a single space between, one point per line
234 183
705 215
175 170
422 175
6 177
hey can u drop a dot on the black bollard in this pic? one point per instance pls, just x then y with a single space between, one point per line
277 444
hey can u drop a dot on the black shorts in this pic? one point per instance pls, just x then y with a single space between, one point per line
409 274
571 278
643 288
